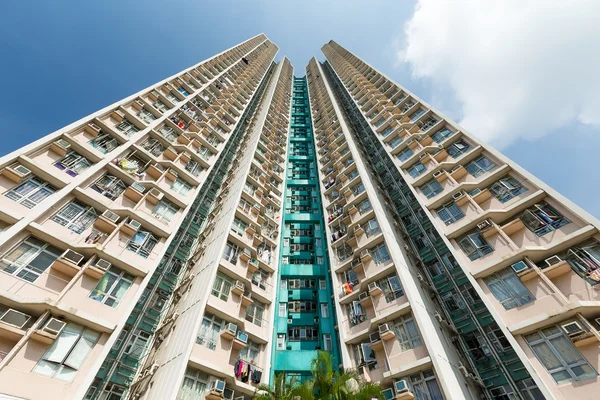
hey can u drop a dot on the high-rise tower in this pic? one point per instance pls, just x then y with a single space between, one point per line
219 227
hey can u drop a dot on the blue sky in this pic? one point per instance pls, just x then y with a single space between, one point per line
63 60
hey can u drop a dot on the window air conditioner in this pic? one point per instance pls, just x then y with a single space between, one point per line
217 386
572 328
102 264
383 328
111 216
519 266
54 326
458 195
401 386
438 173
72 256
232 328
550 261
483 225
363 296
139 187
135 225
374 337
15 318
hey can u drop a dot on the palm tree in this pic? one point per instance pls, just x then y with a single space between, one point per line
325 384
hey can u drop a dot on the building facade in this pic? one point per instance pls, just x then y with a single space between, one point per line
219 227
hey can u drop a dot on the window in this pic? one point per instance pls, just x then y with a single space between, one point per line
395 142
168 133
391 287
30 192
142 243
239 227
127 127
146 116
160 106
506 189
322 284
380 254
164 211
104 143
109 186
137 344
111 392
282 310
356 313
431 188
73 163
364 206
453 301
280 342
416 169
209 331
495 335
529 389
327 344
259 278
371 228
180 186
324 310
475 246
254 313
542 219
153 147
194 168
29 259
441 135
194 384
251 352
480 166
425 386
559 356
364 355
222 286
416 114
232 252
111 288
458 148
585 261
66 355
76 216
405 154
450 213
508 289
406 332
303 333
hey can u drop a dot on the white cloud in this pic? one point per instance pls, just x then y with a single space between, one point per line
518 68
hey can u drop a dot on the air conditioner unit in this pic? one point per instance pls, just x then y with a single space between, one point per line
139 187
72 256
373 287
422 156
111 216
572 328
232 328
363 296
20 170
374 337
240 285
401 386
519 266
383 328
140 103
62 146
411 141
438 173
54 326
15 318
475 192
364 253
458 195
242 337
388 394
550 261
218 386
102 264
438 317
485 224
157 194
133 224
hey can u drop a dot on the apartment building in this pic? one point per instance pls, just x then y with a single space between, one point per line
216 229
511 264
